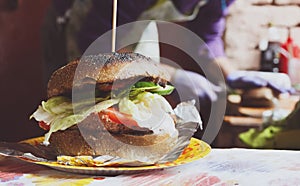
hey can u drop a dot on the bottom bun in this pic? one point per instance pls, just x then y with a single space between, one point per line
78 140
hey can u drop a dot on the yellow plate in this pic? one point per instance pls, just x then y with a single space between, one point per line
195 150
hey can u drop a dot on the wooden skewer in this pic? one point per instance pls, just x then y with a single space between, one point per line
114 25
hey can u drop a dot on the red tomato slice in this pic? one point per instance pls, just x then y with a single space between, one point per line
121 118
44 125
113 114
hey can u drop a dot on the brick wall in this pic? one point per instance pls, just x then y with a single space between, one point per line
247 24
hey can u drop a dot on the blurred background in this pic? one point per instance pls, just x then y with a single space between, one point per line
20 66
249 25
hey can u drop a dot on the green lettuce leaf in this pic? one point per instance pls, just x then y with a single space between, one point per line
63 118
143 86
57 105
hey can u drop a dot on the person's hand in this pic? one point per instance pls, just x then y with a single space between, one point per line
190 84
278 82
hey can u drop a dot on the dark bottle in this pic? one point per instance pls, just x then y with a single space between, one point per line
270 58
270 51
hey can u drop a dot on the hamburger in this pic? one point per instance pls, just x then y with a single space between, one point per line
109 104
